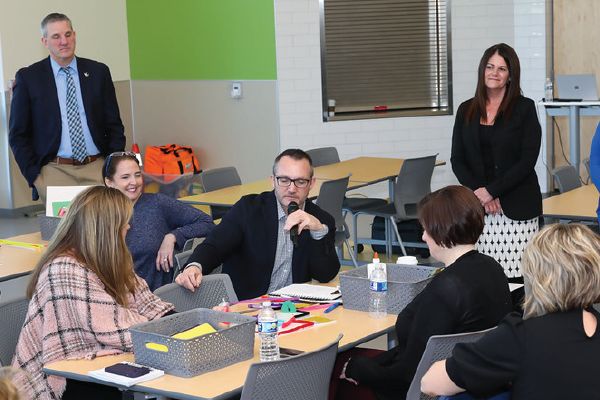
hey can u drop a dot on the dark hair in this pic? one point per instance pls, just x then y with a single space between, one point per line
109 169
452 216
54 17
297 155
513 85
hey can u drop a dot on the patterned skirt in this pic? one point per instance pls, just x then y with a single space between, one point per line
505 239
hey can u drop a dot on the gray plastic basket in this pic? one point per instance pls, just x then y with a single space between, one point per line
190 357
48 226
404 283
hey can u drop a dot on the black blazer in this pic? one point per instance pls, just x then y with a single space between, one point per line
35 123
246 239
515 146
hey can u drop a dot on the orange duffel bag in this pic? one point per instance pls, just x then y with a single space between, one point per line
170 159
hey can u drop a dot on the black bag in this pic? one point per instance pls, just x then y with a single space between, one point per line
410 231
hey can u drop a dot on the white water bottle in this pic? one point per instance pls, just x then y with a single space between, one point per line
378 292
548 90
267 332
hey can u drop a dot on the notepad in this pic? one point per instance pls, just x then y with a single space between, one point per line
124 380
309 292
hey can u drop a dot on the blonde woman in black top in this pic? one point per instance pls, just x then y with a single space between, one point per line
553 352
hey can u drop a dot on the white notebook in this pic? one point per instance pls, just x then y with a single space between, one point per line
309 292
124 380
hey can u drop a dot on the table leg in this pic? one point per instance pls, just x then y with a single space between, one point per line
574 134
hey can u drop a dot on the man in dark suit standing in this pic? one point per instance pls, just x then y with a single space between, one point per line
64 116
263 243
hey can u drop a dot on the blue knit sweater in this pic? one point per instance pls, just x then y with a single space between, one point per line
154 216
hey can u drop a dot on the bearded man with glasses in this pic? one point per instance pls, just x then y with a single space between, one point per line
253 240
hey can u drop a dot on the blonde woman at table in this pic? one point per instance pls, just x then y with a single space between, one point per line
470 294
160 224
495 146
8 390
553 352
84 296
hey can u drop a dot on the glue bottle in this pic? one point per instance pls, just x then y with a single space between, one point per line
377 289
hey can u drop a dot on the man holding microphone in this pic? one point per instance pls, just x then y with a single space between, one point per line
255 239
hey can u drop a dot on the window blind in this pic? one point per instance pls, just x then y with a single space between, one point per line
385 55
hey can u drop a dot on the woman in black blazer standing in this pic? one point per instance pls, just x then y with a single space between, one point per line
495 146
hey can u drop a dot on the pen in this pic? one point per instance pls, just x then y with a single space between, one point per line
259 306
332 307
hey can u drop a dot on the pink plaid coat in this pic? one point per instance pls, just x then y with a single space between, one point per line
72 316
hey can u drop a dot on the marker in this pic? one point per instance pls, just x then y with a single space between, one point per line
332 307
259 306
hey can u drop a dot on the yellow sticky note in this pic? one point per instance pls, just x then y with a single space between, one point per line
195 331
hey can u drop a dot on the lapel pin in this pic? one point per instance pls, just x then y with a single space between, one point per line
86 74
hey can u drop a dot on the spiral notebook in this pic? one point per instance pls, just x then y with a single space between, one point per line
309 292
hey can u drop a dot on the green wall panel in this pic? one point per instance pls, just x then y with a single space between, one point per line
201 39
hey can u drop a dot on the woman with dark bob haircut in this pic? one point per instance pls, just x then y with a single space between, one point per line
469 294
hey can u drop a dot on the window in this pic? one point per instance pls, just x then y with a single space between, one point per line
384 58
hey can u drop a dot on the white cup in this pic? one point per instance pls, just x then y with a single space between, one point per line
331 107
407 260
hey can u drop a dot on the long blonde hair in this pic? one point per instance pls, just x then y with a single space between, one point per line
93 233
562 265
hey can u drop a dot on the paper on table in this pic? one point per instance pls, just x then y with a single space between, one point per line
123 380
306 291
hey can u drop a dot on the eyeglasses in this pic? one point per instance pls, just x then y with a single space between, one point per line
118 154
284 181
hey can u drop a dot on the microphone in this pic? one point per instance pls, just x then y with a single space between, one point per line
292 207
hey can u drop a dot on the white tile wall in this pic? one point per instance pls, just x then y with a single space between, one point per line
475 25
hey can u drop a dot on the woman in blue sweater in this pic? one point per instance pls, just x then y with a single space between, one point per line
160 224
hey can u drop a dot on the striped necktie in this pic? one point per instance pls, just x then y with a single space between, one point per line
75 130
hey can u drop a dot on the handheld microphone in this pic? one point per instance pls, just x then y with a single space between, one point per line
292 207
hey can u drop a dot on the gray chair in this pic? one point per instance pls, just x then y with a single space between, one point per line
412 184
586 164
191 244
302 377
567 178
211 292
219 178
329 155
439 347
12 314
323 156
179 262
331 199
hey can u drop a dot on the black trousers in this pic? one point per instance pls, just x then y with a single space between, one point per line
78 390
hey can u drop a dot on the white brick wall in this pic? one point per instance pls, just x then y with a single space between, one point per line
475 25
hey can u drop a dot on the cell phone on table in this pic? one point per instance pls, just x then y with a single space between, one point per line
128 370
